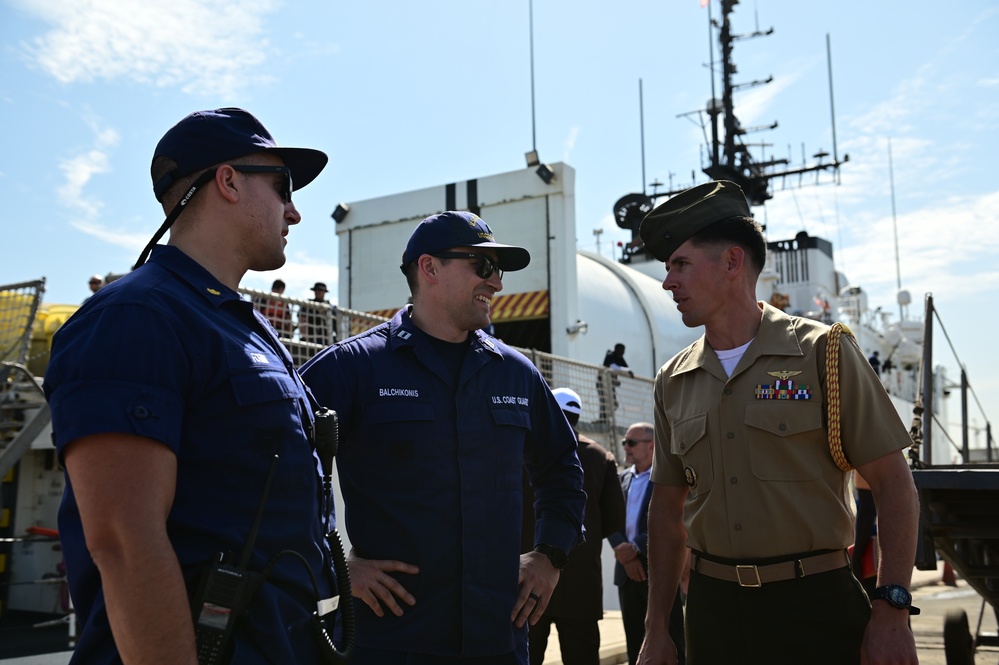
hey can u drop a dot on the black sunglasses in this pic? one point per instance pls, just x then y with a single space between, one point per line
200 181
629 443
484 266
285 191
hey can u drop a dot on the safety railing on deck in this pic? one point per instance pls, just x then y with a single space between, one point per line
612 400
23 412
925 422
18 308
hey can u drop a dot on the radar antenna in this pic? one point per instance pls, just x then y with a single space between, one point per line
730 157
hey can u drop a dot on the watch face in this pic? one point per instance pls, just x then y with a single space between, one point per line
897 595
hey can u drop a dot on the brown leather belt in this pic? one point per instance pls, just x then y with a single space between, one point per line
757 576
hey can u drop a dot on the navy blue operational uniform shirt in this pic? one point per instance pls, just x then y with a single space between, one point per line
431 474
169 353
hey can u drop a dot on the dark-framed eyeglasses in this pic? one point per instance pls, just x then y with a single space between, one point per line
286 188
484 265
631 443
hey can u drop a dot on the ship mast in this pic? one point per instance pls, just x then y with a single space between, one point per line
729 156
736 162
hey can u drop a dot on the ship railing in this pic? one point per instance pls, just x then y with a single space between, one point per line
612 400
933 387
23 412
18 309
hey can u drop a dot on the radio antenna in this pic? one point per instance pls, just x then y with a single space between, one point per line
251 539
832 107
530 10
641 125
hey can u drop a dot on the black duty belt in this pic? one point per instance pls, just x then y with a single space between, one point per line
756 576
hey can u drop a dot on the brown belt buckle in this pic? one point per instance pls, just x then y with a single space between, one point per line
751 572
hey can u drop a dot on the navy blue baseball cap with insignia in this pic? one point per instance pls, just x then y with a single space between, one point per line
206 138
447 230
674 221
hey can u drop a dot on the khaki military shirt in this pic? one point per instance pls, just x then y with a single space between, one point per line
762 482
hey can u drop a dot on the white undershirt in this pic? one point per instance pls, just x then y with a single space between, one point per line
730 357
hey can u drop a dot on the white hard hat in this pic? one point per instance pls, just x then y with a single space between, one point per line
568 400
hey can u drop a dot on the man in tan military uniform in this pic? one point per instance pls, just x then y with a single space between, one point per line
743 471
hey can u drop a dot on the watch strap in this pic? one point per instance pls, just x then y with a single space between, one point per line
558 557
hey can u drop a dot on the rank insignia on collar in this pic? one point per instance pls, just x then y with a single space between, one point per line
690 476
212 291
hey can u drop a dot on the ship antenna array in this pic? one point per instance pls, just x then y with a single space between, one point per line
534 135
729 156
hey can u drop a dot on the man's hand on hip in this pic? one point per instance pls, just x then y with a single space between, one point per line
370 581
538 578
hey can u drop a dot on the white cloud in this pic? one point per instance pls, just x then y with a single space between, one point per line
754 103
570 142
78 171
85 210
196 46
129 240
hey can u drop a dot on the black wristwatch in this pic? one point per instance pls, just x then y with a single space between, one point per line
554 554
896 596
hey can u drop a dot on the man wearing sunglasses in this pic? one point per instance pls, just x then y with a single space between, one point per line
437 421
174 406
631 546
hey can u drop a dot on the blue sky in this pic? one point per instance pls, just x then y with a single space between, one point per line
406 95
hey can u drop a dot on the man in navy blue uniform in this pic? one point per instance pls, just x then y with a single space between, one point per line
437 420
172 402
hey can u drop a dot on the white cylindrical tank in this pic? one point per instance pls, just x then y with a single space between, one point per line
622 305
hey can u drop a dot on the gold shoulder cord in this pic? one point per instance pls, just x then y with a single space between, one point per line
832 395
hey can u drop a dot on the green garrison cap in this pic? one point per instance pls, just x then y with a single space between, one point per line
674 221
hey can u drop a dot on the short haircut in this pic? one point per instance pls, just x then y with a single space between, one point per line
413 269
742 231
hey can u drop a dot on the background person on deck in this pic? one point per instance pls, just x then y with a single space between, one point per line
314 323
576 606
631 546
277 311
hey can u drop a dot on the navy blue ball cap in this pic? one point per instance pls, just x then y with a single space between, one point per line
447 230
206 138
674 221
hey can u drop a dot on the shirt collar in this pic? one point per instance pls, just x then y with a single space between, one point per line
636 474
403 332
777 336
193 274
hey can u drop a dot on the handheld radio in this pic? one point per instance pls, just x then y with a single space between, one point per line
224 593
